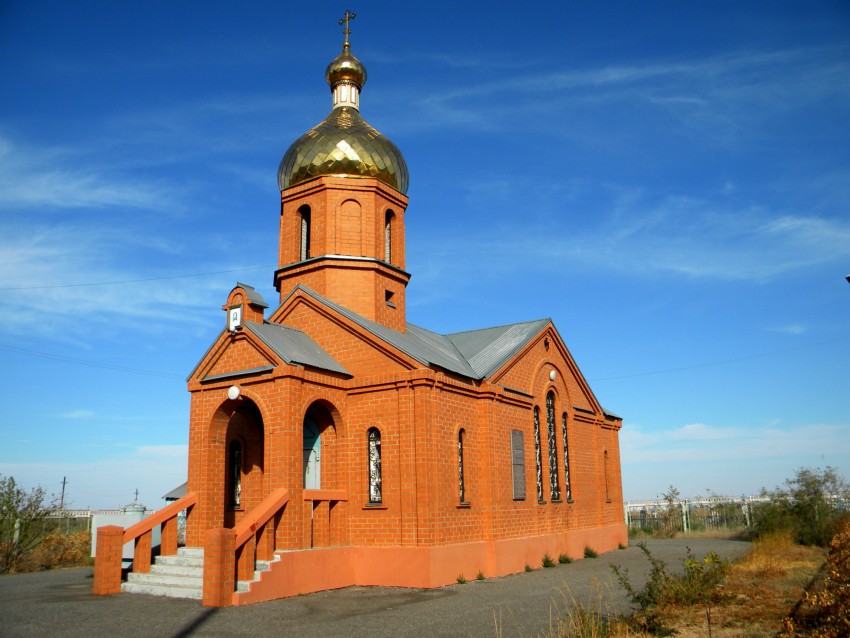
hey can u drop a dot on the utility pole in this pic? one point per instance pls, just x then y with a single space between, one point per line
62 498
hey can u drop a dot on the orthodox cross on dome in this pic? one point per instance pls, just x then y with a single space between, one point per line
349 15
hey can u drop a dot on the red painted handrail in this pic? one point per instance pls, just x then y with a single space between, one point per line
260 515
167 512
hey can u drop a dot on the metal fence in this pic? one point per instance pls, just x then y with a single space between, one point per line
691 515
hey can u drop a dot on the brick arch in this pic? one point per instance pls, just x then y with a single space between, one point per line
328 420
240 420
222 414
540 381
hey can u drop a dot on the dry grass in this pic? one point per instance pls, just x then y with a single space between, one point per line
589 619
760 590
758 593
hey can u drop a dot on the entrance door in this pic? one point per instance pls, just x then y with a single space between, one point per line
312 455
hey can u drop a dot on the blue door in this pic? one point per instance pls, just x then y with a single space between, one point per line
312 455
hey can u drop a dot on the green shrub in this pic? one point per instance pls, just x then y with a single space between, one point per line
528 568
698 583
808 507
461 580
589 552
480 575
547 561
564 559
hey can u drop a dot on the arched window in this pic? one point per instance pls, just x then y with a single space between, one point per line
538 455
234 467
567 487
605 470
304 235
554 482
388 236
374 445
460 485
312 455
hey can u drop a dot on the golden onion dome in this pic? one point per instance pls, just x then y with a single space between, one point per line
346 68
344 144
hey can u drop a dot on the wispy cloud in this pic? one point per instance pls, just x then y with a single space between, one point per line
701 442
731 101
77 414
674 235
35 259
109 483
789 329
51 179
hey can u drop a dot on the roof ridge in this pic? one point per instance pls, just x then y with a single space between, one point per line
505 325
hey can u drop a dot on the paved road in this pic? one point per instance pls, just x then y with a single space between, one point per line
60 603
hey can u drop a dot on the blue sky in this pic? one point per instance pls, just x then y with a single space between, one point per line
669 182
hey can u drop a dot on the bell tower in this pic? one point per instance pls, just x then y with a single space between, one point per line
343 201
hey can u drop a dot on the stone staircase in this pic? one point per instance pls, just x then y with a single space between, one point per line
181 576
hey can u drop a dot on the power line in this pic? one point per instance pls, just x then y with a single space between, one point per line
136 281
721 362
92 364
624 376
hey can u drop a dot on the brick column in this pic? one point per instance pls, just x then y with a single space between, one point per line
142 554
107 562
219 567
338 523
321 523
245 562
265 540
168 538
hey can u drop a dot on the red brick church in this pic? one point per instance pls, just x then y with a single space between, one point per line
332 443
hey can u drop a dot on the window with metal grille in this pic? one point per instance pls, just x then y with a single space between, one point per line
554 481
538 455
460 479
234 462
567 485
374 446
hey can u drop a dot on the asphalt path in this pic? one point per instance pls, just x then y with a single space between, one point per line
60 603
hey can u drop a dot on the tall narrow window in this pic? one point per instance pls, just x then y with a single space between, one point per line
304 237
554 482
388 236
460 485
567 487
605 470
312 455
538 455
374 440
234 462
518 465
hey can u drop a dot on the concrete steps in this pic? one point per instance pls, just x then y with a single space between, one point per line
182 576
260 566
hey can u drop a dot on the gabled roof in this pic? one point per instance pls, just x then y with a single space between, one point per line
488 349
293 346
253 296
475 354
